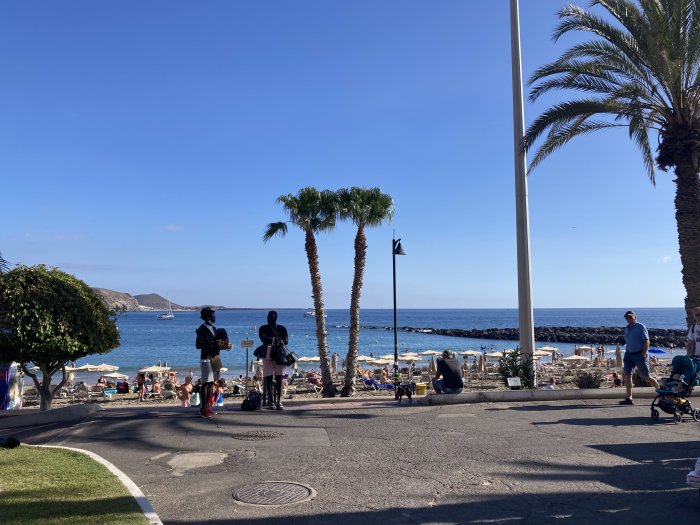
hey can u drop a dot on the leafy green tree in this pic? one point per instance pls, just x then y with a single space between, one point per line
313 212
642 71
53 318
366 208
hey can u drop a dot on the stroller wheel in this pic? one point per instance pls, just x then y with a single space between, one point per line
654 414
696 414
677 416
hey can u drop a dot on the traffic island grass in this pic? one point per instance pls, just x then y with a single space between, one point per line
47 486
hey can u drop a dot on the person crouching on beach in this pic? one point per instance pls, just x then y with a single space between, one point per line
637 347
448 377
209 349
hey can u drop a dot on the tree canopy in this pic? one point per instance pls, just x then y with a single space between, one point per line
51 318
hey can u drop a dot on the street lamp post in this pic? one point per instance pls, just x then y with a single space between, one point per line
525 314
396 249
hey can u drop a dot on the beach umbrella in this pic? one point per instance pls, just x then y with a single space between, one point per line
87 368
656 350
154 369
542 353
494 355
386 356
116 375
381 362
466 353
575 358
550 348
482 364
104 367
618 357
430 352
362 358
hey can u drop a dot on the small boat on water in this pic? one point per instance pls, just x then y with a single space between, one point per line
311 313
167 315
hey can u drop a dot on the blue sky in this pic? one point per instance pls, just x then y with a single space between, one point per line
143 145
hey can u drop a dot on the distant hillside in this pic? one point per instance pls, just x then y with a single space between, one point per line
155 302
118 300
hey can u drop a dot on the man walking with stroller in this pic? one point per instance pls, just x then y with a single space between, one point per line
637 347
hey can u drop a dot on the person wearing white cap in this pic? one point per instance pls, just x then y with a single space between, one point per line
637 347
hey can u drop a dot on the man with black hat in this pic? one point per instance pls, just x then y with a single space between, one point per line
637 347
209 360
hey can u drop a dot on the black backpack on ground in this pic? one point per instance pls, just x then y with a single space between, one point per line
252 402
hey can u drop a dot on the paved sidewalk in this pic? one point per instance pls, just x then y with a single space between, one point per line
538 462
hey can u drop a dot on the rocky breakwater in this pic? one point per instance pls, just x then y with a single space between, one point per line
609 335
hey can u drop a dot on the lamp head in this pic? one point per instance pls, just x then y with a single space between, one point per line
398 249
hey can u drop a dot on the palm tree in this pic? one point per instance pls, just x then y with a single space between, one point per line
312 211
4 265
365 208
642 71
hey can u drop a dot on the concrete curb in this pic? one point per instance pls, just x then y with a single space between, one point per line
26 418
496 396
139 496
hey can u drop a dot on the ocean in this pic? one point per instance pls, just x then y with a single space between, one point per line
146 341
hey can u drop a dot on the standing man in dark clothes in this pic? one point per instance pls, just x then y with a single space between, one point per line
272 397
449 370
209 346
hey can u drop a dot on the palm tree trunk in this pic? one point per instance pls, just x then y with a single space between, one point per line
688 219
351 359
321 335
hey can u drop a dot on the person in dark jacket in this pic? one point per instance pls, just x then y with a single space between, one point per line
209 350
272 394
448 378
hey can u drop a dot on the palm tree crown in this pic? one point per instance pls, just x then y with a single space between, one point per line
311 210
642 71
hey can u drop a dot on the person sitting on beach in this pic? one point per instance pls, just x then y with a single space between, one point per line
448 377
616 381
550 385
101 381
156 388
313 378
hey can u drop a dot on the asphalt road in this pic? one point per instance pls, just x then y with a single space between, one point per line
558 462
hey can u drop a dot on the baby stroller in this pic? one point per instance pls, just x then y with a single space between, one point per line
673 395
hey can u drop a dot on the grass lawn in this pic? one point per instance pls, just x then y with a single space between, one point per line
44 486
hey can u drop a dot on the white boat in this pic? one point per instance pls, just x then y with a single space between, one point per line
167 315
311 313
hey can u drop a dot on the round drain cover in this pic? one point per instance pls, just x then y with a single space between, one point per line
274 493
257 435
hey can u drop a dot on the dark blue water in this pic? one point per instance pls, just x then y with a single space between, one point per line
146 341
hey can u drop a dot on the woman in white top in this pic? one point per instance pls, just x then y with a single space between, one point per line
693 344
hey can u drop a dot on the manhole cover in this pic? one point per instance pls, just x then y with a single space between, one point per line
257 435
274 493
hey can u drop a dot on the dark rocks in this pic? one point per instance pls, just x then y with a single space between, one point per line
609 335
